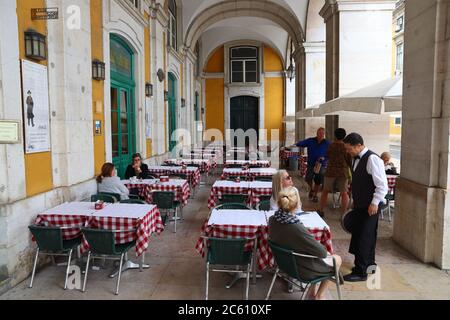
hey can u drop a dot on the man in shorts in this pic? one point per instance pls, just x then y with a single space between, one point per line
317 153
337 175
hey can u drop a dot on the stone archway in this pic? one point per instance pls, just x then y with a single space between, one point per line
245 8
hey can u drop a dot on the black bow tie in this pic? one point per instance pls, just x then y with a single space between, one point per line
357 157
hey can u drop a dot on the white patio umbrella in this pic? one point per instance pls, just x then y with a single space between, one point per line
311 112
382 97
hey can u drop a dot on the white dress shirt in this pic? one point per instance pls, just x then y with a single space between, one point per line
375 167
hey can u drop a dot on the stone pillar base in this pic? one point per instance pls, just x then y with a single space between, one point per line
422 222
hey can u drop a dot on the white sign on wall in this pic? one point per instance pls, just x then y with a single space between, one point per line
35 107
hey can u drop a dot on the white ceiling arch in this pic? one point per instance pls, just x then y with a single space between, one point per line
276 11
242 28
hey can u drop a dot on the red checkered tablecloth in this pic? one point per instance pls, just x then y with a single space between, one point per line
261 164
179 187
303 165
205 165
249 174
263 252
193 175
157 171
258 192
72 222
218 191
392 182
145 226
285 154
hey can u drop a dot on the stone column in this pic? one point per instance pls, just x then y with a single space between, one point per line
300 95
422 206
70 96
358 47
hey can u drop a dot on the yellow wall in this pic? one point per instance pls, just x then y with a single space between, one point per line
274 93
272 61
274 105
38 166
214 93
395 130
98 87
215 115
216 61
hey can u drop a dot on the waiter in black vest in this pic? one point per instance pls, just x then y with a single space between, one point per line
369 188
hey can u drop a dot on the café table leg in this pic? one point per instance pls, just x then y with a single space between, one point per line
129 265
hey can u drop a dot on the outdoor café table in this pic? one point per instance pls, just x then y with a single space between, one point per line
259 188
250 173
141 220
192 173
240 224
146 187
205 164
303 165
392 181
259 163
286 154
211 157
316 226
72 215
227 187
253 189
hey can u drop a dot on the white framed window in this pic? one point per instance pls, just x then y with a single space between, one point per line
399 58
173 24
400 24
244 64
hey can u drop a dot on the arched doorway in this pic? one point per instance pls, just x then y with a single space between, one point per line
172 99
123 117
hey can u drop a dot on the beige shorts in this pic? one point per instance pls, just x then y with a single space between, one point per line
341 184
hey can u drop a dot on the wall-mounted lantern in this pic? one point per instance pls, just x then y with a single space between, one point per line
35 45
148 90
98 70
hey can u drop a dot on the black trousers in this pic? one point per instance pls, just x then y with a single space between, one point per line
364 238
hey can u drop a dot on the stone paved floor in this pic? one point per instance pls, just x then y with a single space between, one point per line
178 272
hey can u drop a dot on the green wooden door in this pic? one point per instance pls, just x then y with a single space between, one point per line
123 116
172 110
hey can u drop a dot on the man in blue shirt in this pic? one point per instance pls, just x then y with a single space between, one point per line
317 153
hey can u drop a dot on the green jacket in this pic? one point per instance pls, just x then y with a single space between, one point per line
298 239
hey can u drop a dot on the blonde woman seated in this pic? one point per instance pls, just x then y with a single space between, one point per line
281 180
286 230
109 182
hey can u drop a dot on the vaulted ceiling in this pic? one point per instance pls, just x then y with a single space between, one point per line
274 22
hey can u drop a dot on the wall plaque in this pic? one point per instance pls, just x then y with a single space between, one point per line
9 132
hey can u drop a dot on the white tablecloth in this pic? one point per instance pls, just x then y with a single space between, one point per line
72 208
311 220
238 217
125 210
231 184
260 185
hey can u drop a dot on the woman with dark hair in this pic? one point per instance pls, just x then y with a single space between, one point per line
137 168
109 182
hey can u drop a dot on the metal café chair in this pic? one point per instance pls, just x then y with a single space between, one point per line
231 256
287 269
165 201
234 198
50 242
263 205
102 244
232 206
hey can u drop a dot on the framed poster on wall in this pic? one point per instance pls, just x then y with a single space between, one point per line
36 111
